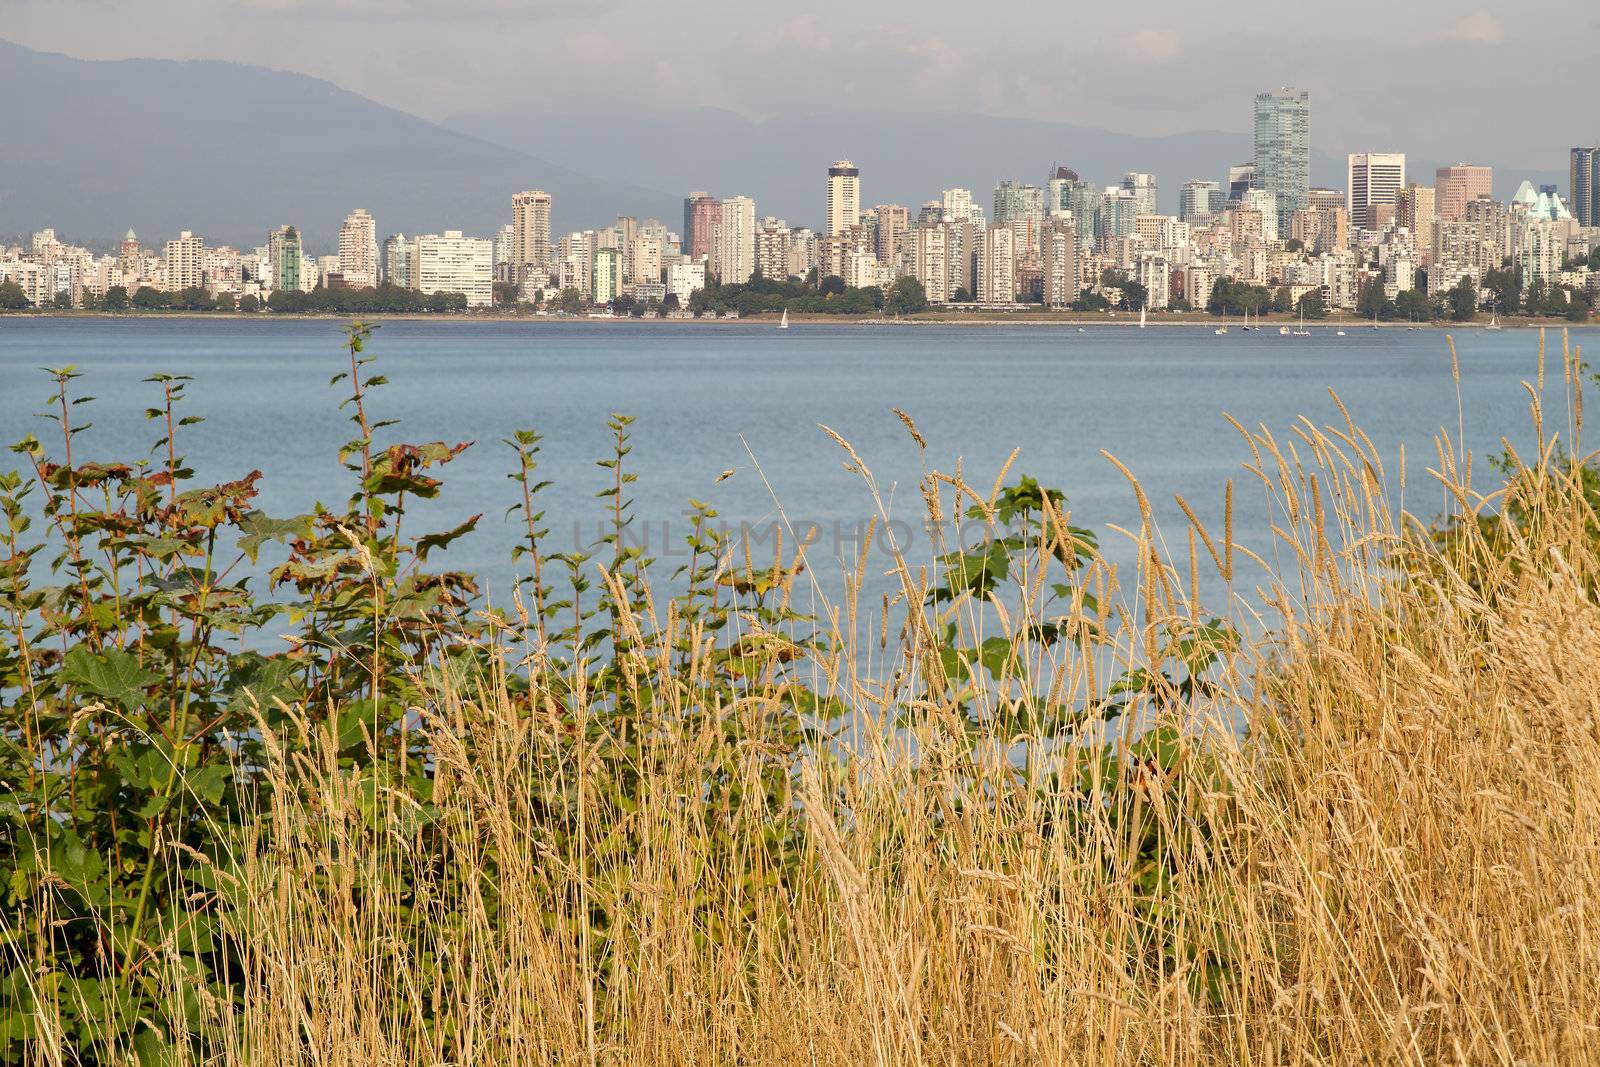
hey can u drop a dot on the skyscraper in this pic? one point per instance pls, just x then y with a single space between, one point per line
1014 199
1375 181
358 250
958 204
1241 176
283 258
1143 187
1283 150
1584 191
844 196
1455 187
700 213
734 241
1199 200
185 260
530 233
397 261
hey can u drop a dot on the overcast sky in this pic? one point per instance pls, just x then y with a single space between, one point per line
1508 83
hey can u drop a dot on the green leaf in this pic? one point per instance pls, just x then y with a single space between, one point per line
259 528
112 674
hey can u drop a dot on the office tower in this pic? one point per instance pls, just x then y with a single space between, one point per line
1119 212
958 204
1455 186
1059 262
1283 150
997 266
530 233
1014 199
1241 176
844 196
358 250
1068 193
452 263
185 263
1375 179
283 257
1199 200
1143 186
1584 190
733 252
1416 209
700 213
397 261
606 275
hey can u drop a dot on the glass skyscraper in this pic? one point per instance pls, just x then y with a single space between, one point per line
1585 188
1283 150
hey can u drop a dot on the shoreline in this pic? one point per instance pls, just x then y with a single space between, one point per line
770 320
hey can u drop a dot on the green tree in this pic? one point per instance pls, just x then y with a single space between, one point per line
62 301
961 296
670 302
906 297
116 299
1464 300
1414 305
249 302
1134 295
149 298
571 300
505 294
1374 303
832 285
224 301
1311 305
12 298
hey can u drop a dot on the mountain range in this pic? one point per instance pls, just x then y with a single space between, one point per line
230 151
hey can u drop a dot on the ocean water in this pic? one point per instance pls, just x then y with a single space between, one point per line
750 398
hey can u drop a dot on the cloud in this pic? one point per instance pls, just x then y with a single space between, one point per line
1480 27
419 10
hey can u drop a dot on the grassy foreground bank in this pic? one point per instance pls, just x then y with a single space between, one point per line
1038 811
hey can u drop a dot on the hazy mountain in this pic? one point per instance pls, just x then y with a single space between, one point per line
230 151
904 159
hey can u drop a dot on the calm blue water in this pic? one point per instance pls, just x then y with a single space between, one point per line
708 398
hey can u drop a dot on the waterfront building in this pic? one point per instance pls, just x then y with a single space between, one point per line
1374 181
606 275
930 265
1584 187
700 213
530 233
1058 263
284 257
844 196
997 266
397 261
772 249
1457 186
453 263
1283 151
734 241
685 278
185 260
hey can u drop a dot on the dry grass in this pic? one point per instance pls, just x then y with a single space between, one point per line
1396 862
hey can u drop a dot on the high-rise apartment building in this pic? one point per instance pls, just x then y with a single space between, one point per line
700 213
772 249
1014 199
929 261
893 222
844 196
1199 200
1375 180
452 263
997 266
283 257
530 233
397 261
644 261
1143 186
1416 210
1283 150
358 250
1058 260
185 263
733 243
1455 187
1584 188
958 204
606 275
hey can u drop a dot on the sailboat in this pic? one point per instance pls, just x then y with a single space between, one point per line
1302 331
783 323
1494 323
1141 318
